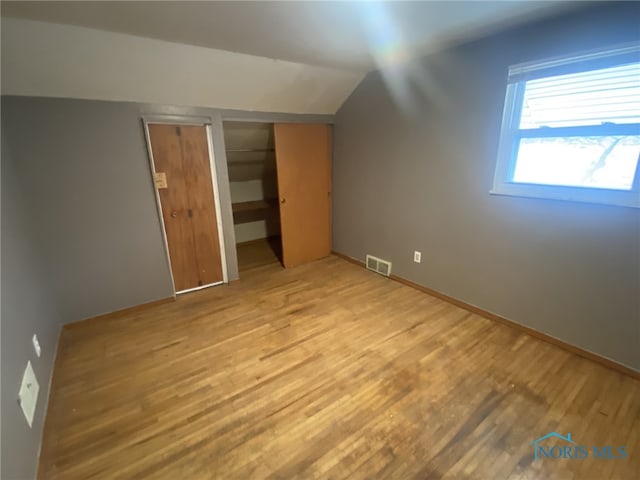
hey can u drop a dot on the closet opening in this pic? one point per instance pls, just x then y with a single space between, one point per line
253 183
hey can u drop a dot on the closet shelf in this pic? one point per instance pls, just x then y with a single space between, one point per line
250 150
254 205
247 162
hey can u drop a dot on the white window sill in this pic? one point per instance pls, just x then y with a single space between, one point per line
629 199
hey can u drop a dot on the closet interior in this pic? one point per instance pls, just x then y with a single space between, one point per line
253 182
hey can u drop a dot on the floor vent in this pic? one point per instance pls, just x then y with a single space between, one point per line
378 265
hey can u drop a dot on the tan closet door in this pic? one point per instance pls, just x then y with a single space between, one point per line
303 158
181 160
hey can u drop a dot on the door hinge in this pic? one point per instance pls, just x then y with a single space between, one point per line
190 213
178 131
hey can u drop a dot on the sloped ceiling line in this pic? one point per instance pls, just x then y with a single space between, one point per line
52 60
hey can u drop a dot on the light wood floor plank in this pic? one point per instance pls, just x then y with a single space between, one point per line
324 371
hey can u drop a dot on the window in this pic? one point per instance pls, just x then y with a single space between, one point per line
571 129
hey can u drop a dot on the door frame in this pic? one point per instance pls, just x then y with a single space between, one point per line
205 122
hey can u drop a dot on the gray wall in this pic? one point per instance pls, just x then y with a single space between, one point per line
85 167
28 307
81 234
414 157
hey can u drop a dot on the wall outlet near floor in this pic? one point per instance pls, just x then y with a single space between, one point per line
28 394
417 256
36 345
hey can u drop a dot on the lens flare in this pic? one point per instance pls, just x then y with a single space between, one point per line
410 82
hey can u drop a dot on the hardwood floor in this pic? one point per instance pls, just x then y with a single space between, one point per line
257 253
326 371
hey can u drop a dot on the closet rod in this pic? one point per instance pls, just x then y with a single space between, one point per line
251 150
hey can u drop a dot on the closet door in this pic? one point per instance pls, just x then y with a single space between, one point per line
303 159
183 178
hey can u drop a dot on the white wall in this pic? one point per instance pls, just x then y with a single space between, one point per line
246 192
246 232
51 60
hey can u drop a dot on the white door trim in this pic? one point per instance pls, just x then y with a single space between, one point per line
216 202
200 287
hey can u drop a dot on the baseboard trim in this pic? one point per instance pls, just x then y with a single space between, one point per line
124 311
607 362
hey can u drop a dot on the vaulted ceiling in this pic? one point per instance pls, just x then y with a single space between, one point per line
294 57
354 35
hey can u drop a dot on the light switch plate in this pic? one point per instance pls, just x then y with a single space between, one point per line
28 394
36 345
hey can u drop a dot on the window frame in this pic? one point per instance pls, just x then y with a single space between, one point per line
510 133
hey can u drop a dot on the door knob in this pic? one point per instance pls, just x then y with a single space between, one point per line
174 214
284 200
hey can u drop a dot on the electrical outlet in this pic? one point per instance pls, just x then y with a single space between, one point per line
417 256
36 345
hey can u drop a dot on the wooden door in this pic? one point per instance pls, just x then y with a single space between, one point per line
183 178
303 159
